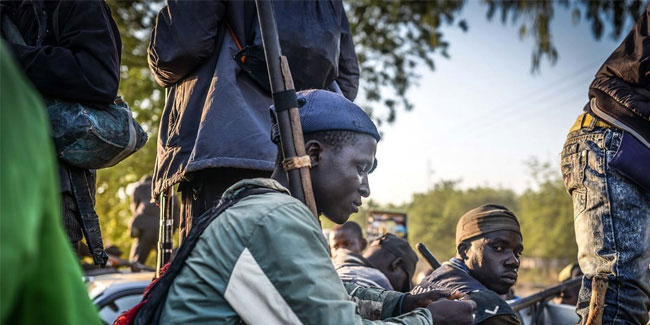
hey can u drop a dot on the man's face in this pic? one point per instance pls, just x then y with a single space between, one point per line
345 239
340 178
494 259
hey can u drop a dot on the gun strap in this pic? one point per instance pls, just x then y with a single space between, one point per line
88 217
150 308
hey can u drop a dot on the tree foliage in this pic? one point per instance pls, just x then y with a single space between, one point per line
535 18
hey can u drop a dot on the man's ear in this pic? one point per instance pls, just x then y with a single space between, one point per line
463 247
394 265
314 148
364 243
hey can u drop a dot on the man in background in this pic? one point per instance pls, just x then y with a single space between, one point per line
489 244
389 263
69 50
347 238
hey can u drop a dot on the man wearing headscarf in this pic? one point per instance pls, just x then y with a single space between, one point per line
488 243
388 263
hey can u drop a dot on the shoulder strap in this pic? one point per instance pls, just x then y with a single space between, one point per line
89 220
154 299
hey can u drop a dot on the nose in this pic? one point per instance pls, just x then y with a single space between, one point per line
364 188
512 260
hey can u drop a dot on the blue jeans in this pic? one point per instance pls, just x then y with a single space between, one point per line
612 226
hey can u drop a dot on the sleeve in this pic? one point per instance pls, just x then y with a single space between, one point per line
631 60
184 36
85 64
285 273
375 303
348 78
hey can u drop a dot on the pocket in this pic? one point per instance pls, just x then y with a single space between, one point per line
573 165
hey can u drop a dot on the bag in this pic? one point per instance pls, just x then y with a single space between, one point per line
632 160
93 138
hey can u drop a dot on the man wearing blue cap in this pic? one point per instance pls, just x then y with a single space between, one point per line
264 259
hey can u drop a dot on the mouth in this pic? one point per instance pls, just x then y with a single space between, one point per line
509 277
355 206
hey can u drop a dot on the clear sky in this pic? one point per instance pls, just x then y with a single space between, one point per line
482 113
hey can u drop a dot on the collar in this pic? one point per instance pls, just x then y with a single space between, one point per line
457 263
255 183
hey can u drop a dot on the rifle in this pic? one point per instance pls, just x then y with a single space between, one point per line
428 256
166 229
295 161
544 294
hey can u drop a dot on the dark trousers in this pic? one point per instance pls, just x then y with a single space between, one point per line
205 189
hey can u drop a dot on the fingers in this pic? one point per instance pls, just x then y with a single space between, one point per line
433 293
455 295
471 304
436 294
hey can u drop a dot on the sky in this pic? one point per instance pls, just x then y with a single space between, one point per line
482 113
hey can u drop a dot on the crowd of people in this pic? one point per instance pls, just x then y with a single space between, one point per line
250 252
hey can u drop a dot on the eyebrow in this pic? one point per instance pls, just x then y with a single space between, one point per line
505 243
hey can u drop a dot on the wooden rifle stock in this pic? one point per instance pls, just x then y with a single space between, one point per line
291 138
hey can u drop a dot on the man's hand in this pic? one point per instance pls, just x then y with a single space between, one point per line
456 312
426 298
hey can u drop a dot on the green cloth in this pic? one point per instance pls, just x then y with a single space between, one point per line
264 260
40 278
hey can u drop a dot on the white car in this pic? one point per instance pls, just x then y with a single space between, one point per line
115 293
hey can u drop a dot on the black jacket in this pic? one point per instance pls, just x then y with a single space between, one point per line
453 275
216 115
72 49
620 93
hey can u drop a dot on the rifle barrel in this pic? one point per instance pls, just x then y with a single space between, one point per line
544 294
426 253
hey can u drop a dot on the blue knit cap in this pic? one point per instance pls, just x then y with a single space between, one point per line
322 110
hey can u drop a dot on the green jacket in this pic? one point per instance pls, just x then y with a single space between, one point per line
40 278
265 261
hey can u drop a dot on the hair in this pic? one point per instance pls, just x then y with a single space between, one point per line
351 226
337 139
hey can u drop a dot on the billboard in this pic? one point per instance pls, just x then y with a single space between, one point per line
381 222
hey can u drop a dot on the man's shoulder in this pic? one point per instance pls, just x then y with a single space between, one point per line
448 276
270 206
489 303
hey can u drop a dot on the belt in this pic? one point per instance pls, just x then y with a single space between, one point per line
586 120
